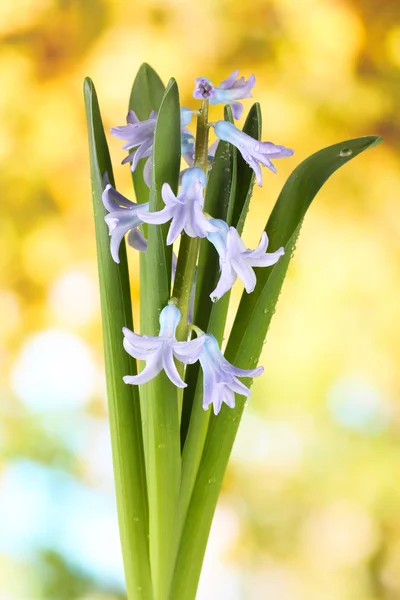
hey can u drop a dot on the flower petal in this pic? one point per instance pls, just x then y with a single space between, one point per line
177 224
267 259
225 282
170 368
245 273
152 369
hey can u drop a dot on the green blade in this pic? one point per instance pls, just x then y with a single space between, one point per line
244 348
163 457
146 95
123 400
245 175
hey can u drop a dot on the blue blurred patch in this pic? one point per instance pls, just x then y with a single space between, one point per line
355 404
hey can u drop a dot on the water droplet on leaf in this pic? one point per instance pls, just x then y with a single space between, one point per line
346 152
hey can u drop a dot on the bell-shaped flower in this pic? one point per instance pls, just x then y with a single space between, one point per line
233 89
220 381
228 91
253 151
122 218
185 209
235 260
204 89
159 352
138 135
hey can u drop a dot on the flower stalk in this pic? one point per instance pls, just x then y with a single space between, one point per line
189 247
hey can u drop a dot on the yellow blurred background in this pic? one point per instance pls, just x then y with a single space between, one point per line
311 502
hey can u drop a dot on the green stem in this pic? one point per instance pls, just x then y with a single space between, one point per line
189 248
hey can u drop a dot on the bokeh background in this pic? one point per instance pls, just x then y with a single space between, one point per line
311 502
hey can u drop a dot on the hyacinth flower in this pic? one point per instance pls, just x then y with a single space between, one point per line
139 135
170 455
159 352
185 209
227 92
236 260
220 381
123 217
253 151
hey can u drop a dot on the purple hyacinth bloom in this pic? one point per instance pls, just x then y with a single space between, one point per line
122 217
233 89
139 135
185 209
253 151
204 89
159 352
220 381
235 260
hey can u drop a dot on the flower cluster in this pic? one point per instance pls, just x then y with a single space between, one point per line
185 213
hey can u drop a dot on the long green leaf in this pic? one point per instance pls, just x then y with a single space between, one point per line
123 400
244 348
245 175
146 95
163 458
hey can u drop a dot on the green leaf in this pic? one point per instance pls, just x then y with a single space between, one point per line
123 400
244 348
163 454
146 95
245 175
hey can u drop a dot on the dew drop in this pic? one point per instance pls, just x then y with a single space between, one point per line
246 404
161 446
265 311
256 147
214 299
211 481
346 152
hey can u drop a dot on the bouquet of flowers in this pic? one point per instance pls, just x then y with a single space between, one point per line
175 413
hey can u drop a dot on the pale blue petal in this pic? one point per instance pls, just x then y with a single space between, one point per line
113 200
177 224
267 260
148 165
170 368
152 369
158 217
169 320
137 240
143 342
186 116
245 273
225 282
237 110
229 81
